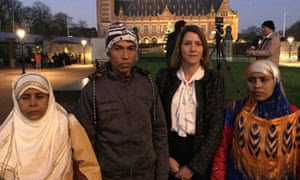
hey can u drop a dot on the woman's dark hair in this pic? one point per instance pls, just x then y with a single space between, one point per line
176 57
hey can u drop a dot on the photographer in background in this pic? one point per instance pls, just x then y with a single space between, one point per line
269 48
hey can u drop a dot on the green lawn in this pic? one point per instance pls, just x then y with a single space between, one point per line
289 76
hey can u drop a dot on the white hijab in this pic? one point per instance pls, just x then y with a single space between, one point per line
39 149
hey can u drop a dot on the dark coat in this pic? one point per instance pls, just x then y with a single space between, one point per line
129 134
209 113
171 42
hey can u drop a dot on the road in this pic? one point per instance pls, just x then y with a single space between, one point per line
64 78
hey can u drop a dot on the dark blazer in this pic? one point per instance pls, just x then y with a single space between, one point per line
209 113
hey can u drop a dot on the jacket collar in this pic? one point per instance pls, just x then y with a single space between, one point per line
115 76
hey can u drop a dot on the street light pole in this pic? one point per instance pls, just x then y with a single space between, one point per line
23 62
83 42
13 20
83 54
21 34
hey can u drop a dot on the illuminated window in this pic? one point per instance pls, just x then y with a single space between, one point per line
224 13
153 28
165 28
66 50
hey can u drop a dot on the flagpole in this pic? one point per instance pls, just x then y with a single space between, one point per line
284 21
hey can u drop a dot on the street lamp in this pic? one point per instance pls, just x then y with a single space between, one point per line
290 40
83 42
21 34
13 19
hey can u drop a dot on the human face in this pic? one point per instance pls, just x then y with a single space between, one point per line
122 57
33 103
260 86
191 49
266 30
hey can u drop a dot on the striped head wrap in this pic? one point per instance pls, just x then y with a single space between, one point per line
117 32
30 80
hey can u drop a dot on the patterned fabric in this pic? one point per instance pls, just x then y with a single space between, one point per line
264 140
266 135
117 32
30 80
264 149
276 106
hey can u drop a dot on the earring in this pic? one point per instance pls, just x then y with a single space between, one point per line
202 61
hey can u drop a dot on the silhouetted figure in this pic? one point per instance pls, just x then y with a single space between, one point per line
172 39
139 53
53 61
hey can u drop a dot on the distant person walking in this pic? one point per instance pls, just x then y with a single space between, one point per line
269 48
172 39
38 61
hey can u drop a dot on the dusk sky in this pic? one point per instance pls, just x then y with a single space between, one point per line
251 12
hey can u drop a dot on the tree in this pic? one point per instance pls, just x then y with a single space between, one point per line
250 33
82 24
10 15
37 19
59 25
41 19
294 31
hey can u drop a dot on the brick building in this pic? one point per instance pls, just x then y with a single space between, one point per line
155 18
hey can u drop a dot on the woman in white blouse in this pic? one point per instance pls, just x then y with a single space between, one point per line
193 99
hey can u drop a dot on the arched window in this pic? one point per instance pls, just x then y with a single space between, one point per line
154 40
146 41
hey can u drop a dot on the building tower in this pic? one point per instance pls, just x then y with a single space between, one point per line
105 14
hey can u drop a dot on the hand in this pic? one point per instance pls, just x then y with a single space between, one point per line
251 48
174 166
184 173
249 52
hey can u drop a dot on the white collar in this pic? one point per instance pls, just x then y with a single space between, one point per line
196 76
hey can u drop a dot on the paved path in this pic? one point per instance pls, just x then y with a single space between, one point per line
293 64
62 79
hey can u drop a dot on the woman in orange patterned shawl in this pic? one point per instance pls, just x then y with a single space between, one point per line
260 132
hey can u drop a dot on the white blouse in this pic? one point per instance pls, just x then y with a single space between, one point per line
184 103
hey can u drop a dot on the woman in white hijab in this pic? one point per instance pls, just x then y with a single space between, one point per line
39 139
